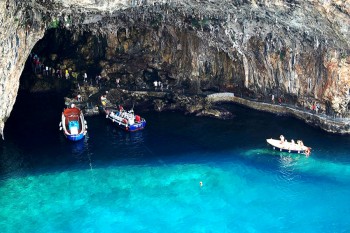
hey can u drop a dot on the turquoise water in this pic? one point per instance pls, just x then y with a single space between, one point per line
149 181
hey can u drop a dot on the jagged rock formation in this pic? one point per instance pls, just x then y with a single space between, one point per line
296 49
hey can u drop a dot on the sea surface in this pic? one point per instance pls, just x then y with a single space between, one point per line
149 181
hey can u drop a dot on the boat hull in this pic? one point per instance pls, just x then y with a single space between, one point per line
286 150
130 128
287 146
75 138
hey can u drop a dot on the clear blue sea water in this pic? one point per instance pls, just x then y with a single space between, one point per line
149 181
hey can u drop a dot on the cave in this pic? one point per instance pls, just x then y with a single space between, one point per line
218 83
137 58
132 58
191 50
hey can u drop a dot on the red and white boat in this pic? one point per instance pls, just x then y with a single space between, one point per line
73 124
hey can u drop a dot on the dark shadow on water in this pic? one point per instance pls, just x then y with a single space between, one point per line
169 138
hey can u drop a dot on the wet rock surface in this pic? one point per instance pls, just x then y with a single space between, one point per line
159 101
317 119
296 51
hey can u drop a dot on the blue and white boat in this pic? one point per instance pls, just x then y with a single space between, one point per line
125 120
73 124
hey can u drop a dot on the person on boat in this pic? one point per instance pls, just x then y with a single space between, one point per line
292 145
301 143
72 106
298 143
307 152
137 118
282 139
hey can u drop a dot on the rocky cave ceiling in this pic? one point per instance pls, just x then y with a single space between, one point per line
300 48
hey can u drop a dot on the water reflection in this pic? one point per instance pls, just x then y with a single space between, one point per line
81 151
287 166
78 149
125 144
126 138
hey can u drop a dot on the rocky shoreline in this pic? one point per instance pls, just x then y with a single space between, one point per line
145 100
200 105
327 123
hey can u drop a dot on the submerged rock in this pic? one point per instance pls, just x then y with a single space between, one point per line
219 113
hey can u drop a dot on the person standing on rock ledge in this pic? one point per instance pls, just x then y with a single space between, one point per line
58 72
46 71
273 98
317 107
313 107
103 100
85 78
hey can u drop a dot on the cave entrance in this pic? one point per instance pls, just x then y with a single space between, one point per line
43 82
133 58
41 93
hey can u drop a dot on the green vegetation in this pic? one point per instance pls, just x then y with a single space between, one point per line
75 75
54 24
156 21
343 55
199 23
195 23
204 22
282 54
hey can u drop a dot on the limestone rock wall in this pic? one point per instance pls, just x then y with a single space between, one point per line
20 31
259 47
